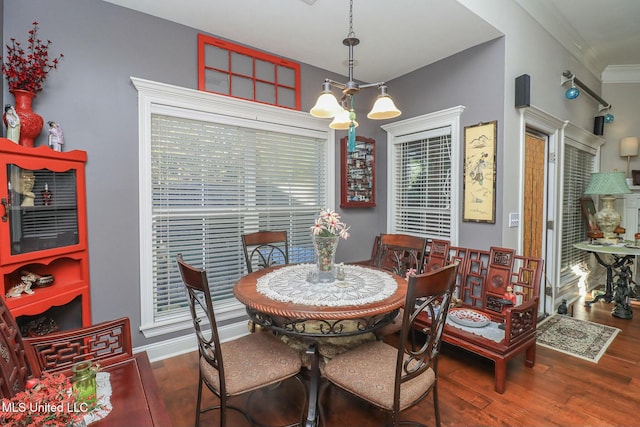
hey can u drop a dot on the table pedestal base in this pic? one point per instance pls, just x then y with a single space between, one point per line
622 309
622 312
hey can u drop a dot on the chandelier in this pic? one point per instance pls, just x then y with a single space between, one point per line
343 112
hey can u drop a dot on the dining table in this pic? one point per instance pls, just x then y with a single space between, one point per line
289 300
127 395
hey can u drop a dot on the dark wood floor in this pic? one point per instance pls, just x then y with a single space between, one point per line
559 391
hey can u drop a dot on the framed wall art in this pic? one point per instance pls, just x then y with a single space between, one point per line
358 174
479 184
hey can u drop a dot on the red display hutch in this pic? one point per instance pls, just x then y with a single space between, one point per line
43 229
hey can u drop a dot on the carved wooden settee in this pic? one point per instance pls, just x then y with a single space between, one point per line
483 278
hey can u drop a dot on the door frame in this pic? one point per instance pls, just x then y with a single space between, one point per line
539 122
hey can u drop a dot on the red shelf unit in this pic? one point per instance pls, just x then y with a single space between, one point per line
44 237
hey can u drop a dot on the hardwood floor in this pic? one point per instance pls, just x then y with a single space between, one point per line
559 391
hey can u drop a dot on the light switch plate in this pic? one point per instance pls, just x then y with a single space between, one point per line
514 219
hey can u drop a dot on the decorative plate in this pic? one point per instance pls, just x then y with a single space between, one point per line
468 317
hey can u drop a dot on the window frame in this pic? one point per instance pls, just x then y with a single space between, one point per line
161 98
401 130
255 55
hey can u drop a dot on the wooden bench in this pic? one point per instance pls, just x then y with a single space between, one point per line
483 278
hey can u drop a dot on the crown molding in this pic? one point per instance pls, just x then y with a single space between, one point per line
621 74
552 21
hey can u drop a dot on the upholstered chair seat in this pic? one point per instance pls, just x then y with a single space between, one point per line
270 363
369 372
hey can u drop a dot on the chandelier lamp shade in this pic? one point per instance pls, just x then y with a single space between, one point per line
607 185
343 112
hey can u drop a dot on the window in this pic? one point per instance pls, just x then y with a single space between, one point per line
209 174
230 69
423 175
579 163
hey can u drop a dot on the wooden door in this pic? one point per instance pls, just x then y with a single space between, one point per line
533 221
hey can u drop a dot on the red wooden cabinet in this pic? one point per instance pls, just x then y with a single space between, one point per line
358 173
43 228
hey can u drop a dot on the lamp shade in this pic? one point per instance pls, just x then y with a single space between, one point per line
607 183
326 106
342 120
629 146
384 108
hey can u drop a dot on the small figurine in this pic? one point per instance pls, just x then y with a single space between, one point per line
25 286
510 298
562 308
46 195
56 137
26 186
13 123
509 295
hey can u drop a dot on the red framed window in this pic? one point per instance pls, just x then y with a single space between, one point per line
230 69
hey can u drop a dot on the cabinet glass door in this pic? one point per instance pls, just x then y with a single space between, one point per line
42 209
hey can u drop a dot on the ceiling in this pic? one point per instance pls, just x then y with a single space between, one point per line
399 36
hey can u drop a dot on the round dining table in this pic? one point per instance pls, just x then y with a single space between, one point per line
289 300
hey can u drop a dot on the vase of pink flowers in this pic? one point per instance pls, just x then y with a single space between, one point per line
327 231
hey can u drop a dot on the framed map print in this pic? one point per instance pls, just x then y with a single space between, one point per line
479 183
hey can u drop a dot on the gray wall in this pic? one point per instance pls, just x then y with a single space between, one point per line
91 96
472 78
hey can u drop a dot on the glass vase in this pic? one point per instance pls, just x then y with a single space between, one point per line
325 257
83 382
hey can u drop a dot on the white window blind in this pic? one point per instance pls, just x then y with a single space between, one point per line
422 184
579 163
211 183
211 169
423 169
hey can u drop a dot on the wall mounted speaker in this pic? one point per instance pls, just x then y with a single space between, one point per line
523 91
598 125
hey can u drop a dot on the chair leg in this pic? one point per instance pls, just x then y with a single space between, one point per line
199 402
436 406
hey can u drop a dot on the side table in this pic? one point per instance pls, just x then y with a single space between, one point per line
623 254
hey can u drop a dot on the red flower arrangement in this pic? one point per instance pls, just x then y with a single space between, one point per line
48 401
27 69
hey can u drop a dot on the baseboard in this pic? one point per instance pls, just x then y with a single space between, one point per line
187 343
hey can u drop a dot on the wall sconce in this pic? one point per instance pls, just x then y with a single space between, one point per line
629 148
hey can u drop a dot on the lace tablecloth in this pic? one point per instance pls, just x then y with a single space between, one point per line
103 399
360 286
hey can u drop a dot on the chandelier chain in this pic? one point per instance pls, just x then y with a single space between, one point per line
351 33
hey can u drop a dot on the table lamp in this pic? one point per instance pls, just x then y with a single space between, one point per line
607 185
629 149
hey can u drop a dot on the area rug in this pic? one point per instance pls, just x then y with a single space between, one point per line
575 337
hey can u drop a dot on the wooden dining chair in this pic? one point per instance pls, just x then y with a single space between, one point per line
234 367
265 248
398 253
394 379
